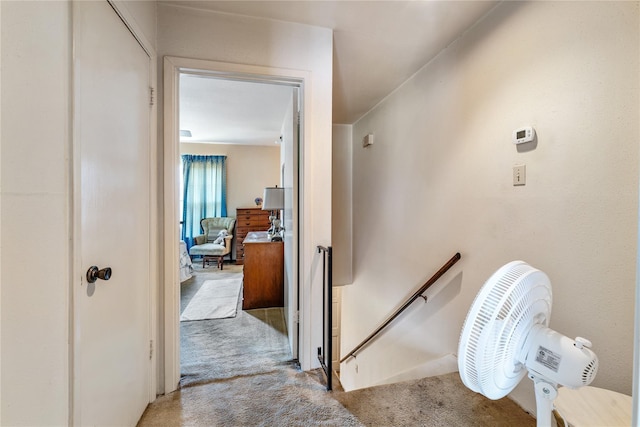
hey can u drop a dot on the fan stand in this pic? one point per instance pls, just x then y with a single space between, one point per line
546 393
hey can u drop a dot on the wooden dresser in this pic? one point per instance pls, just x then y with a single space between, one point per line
263 284
248 219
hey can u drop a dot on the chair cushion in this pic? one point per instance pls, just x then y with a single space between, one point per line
212 226
208 249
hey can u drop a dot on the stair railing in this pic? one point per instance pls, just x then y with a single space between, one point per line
327 313
408 302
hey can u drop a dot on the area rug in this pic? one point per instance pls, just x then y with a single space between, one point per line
216 299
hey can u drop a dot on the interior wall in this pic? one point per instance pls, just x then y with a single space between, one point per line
36 64
341 205
1 197
438 180
36 56
192 33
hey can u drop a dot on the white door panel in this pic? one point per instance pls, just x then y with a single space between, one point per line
290 184
111 124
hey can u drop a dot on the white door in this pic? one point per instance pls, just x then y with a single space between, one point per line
290 184
111 217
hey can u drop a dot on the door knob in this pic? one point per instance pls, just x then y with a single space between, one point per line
93 274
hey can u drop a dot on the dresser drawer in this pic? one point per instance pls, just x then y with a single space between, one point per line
242 232
256 211
253 222
250 221
253 217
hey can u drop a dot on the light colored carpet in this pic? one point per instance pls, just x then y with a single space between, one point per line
238 372
283 396
435 402
216 299
253 342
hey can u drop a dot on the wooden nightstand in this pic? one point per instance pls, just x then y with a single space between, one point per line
263 272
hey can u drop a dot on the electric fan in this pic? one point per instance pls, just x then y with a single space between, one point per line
505 335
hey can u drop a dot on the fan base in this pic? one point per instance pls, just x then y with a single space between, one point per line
545 395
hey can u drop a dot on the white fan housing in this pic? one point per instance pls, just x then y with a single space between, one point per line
506 334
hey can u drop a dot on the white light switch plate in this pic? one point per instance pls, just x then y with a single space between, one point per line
519 175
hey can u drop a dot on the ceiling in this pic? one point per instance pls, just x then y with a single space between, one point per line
222 111
377 44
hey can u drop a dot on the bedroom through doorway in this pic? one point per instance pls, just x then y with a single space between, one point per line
251 126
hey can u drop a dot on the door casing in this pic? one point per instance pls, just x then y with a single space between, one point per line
172 68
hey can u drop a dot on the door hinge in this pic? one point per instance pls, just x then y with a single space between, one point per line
150 349
151 96
296 316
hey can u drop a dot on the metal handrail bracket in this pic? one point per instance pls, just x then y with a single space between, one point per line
404 306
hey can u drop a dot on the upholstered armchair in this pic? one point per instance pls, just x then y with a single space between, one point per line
215 242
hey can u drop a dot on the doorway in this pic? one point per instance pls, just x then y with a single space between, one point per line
236 135
289 164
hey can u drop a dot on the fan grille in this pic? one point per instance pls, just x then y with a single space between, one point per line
590 372
513 299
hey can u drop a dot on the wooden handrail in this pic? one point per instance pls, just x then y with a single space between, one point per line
411 299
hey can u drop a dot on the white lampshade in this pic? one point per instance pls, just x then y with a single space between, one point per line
273 199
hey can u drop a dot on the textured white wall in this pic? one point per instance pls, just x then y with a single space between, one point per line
36 55
197 34
438 180
341 205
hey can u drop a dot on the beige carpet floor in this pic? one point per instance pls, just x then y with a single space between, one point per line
238 372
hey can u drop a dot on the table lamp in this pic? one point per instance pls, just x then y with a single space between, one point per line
273 201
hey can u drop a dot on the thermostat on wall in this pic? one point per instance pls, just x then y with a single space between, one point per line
367 140
524 134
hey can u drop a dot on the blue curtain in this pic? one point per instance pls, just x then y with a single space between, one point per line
205 192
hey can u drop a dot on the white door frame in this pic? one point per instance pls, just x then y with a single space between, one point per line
121 10
172 68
